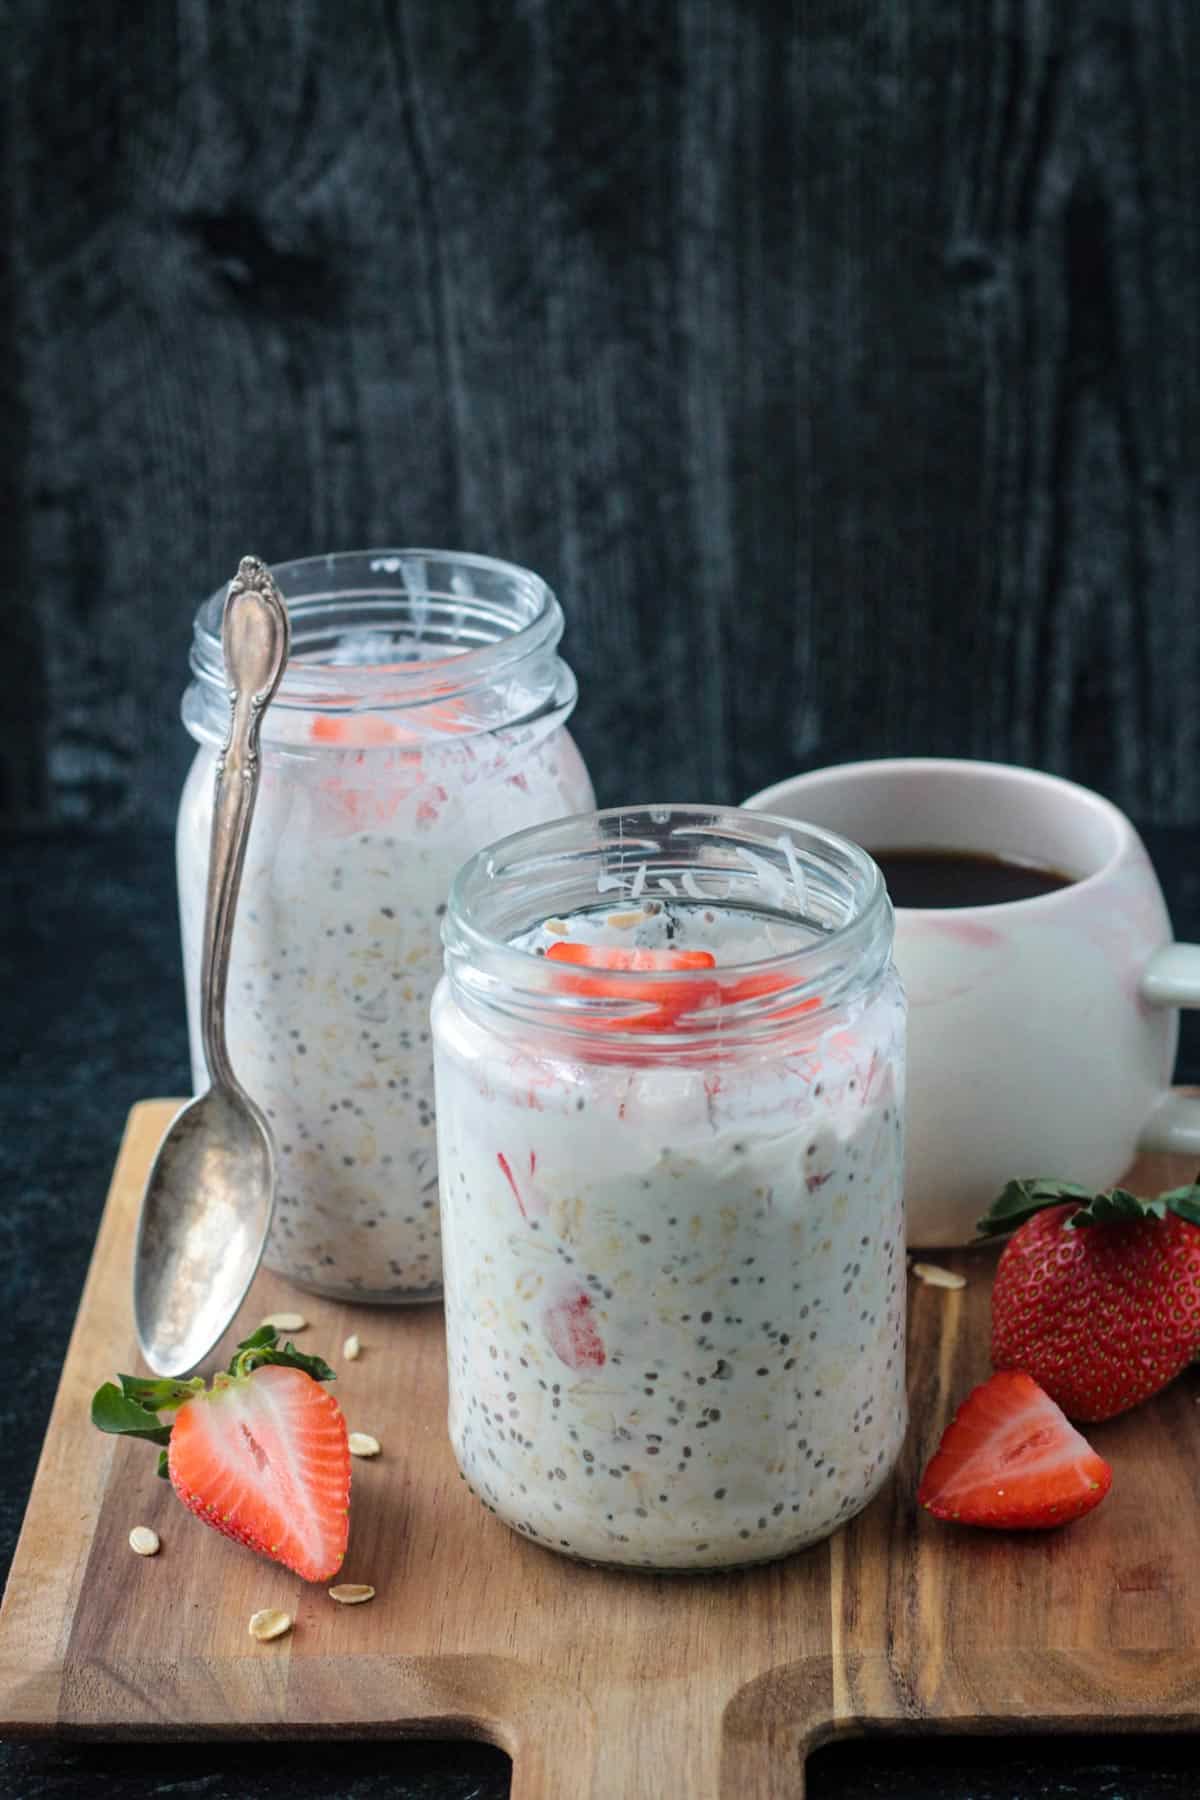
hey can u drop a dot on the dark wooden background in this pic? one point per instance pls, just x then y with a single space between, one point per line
838 362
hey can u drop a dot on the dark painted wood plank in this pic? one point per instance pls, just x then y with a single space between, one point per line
839 363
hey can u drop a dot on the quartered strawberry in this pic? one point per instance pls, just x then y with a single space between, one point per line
1097 1296
263 1456
1010 1459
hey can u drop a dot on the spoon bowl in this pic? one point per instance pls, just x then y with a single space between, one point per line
204 1220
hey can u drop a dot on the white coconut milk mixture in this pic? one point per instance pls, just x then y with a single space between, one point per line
675 1293
336 953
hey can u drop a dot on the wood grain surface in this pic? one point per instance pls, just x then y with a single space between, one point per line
838 362
595 1682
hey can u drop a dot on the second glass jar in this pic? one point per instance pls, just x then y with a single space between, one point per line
423 711
670 1076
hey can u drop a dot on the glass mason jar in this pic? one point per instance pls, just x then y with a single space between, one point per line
669 1049
422 711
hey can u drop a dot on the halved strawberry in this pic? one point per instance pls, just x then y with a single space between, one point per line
1010 1459
263 1457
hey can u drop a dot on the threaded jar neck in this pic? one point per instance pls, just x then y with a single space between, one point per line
816 894
432 644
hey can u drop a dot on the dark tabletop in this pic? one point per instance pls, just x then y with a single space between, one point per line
91 1019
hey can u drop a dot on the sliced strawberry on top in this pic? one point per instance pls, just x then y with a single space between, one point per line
263 1456
361 731
356 731
265 1459
615 956
769 981
1010 1459
670 997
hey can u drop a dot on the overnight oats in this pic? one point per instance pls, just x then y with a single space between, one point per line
422 713
670 1063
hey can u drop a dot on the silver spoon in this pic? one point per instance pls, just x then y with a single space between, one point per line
210 1193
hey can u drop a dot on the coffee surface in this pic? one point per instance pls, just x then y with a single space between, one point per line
946 878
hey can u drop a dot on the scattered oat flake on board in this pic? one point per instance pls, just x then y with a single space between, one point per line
269 1623
933 1276
144 1541
352 1593
363 1444
286 1321
351 1348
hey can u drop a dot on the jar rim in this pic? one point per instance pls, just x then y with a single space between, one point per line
812 978
511 616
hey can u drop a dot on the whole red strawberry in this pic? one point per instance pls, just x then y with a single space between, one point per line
1097 1296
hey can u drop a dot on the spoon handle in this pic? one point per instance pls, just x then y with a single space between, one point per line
255 638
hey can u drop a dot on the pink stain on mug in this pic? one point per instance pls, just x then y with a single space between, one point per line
967 931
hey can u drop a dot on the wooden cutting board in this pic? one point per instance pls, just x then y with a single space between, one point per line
598 1684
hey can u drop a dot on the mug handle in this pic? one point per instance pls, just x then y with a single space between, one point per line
1172 978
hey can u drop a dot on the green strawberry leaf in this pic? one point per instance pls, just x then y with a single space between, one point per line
132 1409
1116 1206
1112 1208
265 1338
113 1412
1020 1200
1185 1202
164 1470
159 1395
261 1348
291 1358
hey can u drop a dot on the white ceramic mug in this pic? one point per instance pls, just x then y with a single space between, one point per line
1042 1032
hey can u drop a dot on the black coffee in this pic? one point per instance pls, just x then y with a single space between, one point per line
962 878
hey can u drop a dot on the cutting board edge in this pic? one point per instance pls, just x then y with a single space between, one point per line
27 1586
